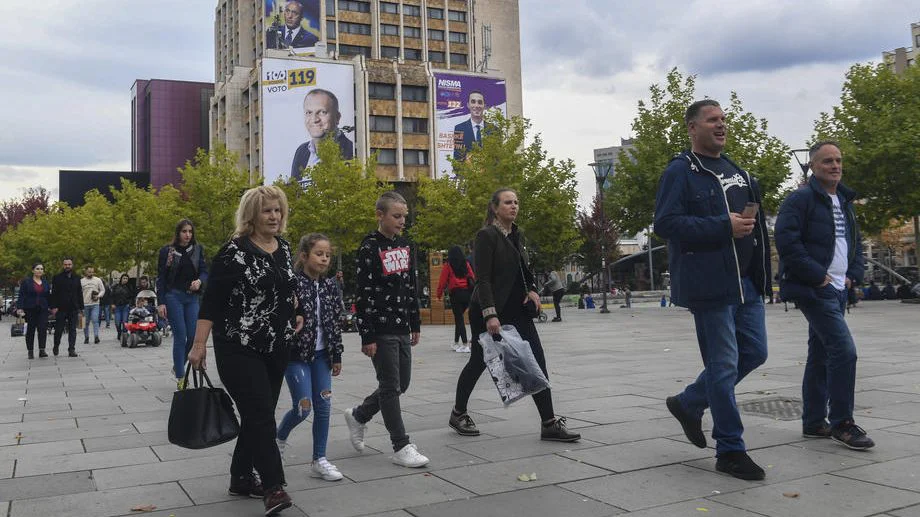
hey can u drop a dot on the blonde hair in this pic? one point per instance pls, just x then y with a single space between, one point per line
251 205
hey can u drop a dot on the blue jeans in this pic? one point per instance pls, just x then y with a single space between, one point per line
182 312
311 386
91 315
733 342
830 371
121 316
106 314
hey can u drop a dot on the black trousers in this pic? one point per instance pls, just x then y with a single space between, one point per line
459 303
36 320
393 364
253 380
66 320
557 297
476 364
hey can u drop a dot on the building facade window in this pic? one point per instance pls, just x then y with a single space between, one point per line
436 56
383 123
355 28
355 5
389 52
457 37
330 29
330 7
436 34
415 125
456 16
381 91
389 29
435 13
414 93
412 32
389 8
458 59
412 54
415 157
385 156
354 50
412 10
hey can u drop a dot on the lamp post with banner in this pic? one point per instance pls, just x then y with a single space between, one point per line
601 171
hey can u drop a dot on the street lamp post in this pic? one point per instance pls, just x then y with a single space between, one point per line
801 156
601 171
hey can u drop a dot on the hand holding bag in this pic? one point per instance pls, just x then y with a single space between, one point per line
202 416
18 328
512 365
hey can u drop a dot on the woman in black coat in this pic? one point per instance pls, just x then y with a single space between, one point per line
32 303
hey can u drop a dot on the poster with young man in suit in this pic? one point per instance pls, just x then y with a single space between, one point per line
293 25
460 105
304 102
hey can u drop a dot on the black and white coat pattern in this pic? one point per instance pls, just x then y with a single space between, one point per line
330 310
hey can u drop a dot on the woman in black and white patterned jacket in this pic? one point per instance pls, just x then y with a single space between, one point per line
250 306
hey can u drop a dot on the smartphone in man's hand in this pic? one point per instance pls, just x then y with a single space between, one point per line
750 209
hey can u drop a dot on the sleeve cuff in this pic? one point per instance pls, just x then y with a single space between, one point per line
489 312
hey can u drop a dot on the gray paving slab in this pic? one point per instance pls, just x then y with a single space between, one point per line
154 472
910 511
786 462
500 449
84 461
12 452
546 500
902 473
502 476
639 455
888 446
239 507
695 508
47 485
107 503
129 439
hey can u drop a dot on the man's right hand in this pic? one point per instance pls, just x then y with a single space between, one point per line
741 226
369 349
827 280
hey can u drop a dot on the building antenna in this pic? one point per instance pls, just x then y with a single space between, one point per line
486 47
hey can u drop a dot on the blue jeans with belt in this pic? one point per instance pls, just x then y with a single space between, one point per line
733 342
311 388
182 312
830 370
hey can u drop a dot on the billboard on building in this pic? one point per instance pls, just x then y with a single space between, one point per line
302 103
460 102
293 24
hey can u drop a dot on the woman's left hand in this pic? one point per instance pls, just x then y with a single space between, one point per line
535 298
336 369
298 323
195 286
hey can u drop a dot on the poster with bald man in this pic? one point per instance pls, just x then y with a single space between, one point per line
304 102
293 25
461 102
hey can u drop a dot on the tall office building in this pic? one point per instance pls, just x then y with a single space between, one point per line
903 57
169 122
403 73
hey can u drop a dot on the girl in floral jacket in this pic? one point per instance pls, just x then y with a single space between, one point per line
316 355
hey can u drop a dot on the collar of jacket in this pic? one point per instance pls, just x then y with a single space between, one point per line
816 187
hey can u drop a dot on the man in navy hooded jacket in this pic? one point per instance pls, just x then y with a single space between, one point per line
820 257
720 269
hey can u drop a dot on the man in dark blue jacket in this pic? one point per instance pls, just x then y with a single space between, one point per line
820 253
708 209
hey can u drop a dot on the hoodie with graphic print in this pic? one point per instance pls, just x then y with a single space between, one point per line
387 300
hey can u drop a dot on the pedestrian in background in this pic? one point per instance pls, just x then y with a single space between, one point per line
122 299
554 287
93 291
457 278
66 306
32 302
250 308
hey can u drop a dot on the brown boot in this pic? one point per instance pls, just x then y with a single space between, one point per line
276 499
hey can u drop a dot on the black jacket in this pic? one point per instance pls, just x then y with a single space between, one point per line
66 292
385 275
498 261
805 240
122 294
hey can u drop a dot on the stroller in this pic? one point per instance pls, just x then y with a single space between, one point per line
141 327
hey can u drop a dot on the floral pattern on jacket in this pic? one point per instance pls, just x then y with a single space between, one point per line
251 296
330 300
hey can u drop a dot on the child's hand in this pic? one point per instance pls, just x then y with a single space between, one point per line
298 323
415 337
369 349
336 369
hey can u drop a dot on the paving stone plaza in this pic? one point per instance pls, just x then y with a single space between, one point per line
86 437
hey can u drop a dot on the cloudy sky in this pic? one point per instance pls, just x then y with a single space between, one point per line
68 68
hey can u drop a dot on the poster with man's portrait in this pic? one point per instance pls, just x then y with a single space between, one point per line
461 102
304 102
293 25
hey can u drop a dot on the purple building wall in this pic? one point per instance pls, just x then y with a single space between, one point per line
169 122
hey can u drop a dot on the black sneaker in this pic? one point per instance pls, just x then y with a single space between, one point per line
852 436
693 427
31 354
72 353
822 431
96 340
557 432
557 319
739 465
246 486
86 340
55 350
42 353
276 500
463 424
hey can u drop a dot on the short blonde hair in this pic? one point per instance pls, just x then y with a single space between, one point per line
251 205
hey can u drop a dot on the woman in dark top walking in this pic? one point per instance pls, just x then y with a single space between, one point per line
34 292
250 307
505 294
457 276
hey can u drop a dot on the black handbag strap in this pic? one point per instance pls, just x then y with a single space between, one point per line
199 377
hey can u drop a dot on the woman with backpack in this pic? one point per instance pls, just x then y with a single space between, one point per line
457 276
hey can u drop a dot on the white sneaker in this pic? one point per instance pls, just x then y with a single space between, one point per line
321 468
355 429
455 346
282 444
463 349
409 456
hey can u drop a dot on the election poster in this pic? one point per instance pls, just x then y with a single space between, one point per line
460 105
293 25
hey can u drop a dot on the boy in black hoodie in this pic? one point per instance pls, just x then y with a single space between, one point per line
389 323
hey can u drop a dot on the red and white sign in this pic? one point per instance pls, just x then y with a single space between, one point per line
394 261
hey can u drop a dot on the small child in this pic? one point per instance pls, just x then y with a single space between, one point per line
316 355
389 323
139 312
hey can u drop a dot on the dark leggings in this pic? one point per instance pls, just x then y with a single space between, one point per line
459 302
557 297
475 366
36 321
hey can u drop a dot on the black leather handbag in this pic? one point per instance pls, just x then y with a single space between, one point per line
202 416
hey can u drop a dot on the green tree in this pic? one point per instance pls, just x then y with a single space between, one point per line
878 127
452 209
142 221
660 133
212 184
339 201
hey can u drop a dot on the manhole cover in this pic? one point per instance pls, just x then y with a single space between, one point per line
780 408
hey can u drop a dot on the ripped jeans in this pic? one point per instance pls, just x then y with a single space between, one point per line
311 389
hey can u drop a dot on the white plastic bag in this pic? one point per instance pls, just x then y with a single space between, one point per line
512 366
